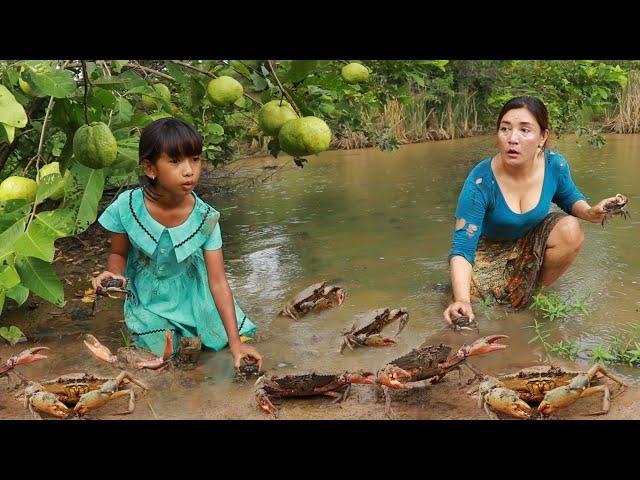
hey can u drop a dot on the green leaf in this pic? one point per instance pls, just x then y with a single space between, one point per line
37 242
9 278
47 186
12 334
11 112
2 296
118 64
39 277
19 294
103 98
300 69
58 83
127 159
177 73
13 229
124 112
92 182
240 68
259 83
59 223
7 132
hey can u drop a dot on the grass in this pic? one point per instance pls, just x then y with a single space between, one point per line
623 348
553 306
627 115
127 340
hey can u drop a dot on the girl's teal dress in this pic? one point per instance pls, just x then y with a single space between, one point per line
167 274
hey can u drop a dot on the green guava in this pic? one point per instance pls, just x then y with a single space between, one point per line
94 145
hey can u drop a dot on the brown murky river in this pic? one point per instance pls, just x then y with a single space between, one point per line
379 225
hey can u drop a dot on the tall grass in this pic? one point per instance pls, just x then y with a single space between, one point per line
627 116
416 121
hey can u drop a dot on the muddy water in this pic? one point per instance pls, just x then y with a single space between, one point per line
379 225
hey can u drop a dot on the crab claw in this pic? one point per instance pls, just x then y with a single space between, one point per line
404 318
481 346
159 361
28 356
99 350
558 398
379 340
507 401
390 375
362 378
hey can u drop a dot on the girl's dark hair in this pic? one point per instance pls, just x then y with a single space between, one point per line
171 136
533 104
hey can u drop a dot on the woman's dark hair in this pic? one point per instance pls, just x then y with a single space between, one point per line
533 104
171 136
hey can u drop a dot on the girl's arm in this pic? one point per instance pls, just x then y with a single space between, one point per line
117 260
223 299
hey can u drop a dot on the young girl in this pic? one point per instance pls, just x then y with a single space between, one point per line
166 241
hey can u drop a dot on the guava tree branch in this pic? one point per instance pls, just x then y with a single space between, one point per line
282 89
211 75
85 81
38 156
151 71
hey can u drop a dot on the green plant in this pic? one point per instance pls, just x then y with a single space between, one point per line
602 353
127 339
553 306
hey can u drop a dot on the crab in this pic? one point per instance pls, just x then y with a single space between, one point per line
77 394
428 364
365 331
319 296
24 357
550 387
579 387
107 287
464 323
131 357
306 385
249 367
616 207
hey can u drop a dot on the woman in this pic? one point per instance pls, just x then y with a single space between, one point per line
505 241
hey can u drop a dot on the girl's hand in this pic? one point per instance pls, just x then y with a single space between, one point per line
458 309
244 350
97 281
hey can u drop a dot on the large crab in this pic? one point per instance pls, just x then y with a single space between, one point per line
319 296
77 393
306 385
24 357
428 364
616 207
366 329
550 387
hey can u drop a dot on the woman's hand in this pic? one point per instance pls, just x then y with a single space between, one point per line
244 350
458 309
97 281
596 213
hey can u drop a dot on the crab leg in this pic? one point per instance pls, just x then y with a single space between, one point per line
132 400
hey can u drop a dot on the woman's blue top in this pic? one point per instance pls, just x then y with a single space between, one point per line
485 212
